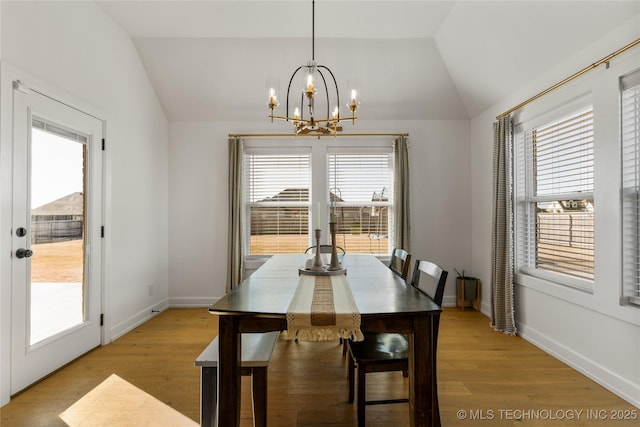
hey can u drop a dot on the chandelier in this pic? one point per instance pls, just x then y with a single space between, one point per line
317 84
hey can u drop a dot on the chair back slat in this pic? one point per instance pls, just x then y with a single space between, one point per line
438 275
400 261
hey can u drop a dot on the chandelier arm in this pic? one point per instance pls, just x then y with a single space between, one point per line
289 88
335 84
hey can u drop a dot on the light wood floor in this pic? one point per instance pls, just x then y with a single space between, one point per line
485 379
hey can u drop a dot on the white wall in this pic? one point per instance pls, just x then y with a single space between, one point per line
591 332
197 212
4 324
76 50
440 207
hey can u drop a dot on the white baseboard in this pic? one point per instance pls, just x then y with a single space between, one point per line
607 379
485 308
192 302
118 330
449 301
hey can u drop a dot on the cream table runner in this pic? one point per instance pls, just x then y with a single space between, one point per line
323 309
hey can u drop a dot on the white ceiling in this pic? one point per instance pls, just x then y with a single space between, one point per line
209 59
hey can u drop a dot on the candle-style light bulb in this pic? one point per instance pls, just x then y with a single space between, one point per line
273 99
272 88
310 90
353 105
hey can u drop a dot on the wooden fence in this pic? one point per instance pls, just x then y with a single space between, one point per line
56 230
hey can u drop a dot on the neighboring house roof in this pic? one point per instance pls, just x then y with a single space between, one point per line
289 194
71 204
296 194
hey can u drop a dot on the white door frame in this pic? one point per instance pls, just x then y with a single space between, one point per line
9 73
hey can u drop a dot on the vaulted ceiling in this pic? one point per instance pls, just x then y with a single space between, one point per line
208 60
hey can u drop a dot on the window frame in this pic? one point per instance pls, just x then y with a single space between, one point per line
319 203
630 194
388 204
525 201
248 205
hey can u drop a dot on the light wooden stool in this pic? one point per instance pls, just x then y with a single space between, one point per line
256 353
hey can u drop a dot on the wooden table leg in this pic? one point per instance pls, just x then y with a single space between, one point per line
423 389
229 372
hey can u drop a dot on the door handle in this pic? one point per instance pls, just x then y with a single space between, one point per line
24 253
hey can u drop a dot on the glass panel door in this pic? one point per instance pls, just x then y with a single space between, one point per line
56 244
57 230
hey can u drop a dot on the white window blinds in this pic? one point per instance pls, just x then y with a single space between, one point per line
555 200
277 202
630 139
361 197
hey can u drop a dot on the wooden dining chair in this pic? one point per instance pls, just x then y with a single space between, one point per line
385 352
324 249
399 264
400 261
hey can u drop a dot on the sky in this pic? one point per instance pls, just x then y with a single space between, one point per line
56 167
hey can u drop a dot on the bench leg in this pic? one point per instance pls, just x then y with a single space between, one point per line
208 396
259 392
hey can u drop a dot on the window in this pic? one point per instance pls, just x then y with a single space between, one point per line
361 193
630 139
284 200
277 200
554 198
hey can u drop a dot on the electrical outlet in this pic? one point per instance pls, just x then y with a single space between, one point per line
151 289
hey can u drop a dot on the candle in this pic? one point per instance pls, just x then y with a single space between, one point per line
273 99
318 217
273 102
310 83
353 105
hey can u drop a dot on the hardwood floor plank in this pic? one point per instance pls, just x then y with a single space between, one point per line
497 380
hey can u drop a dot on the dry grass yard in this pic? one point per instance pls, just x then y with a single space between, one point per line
57 262
352 243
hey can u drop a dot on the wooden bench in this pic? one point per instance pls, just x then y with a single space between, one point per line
256 352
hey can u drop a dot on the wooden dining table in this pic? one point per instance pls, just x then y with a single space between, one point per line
385 302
